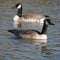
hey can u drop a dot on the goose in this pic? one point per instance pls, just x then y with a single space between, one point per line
27 21
32 34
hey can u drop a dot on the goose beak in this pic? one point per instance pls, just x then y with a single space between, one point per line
50 22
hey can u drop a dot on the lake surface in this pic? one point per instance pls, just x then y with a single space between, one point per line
26 49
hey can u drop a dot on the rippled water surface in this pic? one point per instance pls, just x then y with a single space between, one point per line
26 49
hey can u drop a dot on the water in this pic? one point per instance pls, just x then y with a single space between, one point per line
25 49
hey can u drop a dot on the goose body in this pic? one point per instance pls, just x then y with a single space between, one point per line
28 34
28 21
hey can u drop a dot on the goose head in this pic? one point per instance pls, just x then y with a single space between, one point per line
19 7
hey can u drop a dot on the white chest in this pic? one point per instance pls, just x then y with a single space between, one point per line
16 18
15 21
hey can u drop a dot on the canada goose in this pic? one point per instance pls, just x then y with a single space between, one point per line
32 34
20 20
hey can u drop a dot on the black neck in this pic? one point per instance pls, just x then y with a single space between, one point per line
44 30
19 12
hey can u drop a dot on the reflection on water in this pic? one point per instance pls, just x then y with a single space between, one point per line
20 49
25 49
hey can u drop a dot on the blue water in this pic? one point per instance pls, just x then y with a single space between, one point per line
26 49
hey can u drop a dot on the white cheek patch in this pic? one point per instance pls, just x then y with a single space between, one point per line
19 7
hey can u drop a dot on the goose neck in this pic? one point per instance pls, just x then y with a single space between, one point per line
19 12
44 30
